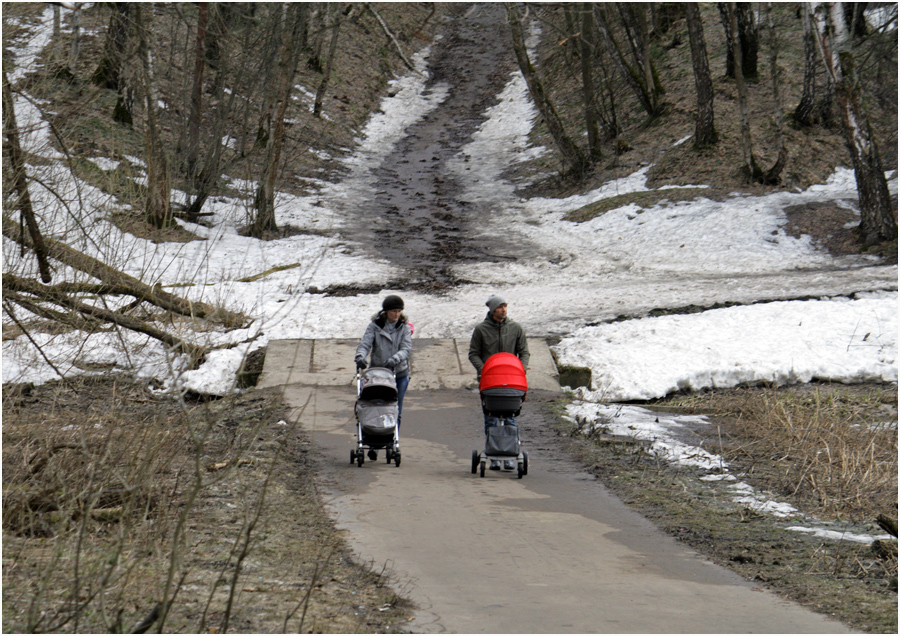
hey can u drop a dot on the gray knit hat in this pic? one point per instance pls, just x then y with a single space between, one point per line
494 302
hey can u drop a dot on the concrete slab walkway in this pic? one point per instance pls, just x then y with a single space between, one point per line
436 364
553 552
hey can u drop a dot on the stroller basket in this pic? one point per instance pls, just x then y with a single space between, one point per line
502 401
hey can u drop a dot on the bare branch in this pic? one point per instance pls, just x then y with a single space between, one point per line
117 279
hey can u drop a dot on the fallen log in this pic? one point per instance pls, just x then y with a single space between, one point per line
122 282
12 283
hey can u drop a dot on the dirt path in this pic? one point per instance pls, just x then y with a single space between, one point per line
418 218
553 552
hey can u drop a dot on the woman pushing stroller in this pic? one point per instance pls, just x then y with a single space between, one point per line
388 338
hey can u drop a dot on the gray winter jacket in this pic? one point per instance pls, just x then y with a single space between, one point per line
492 337
386 341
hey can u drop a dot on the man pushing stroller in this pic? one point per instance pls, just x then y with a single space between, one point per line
497 334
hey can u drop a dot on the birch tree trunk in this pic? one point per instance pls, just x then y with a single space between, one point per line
572 155
773 176
586 50
746 140
878 222
804 113
158 207
705 129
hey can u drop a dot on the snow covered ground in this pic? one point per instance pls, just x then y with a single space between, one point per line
625 262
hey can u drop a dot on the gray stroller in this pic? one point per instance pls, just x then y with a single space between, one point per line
376 416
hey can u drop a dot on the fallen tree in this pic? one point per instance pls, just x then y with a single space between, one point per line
117 282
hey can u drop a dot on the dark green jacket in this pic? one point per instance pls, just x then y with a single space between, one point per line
492 337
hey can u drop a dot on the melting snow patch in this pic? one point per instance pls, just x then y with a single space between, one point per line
836 535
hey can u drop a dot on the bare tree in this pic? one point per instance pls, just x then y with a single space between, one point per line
335 30
750 164
158 206
14 169
192 152
877 222
705 129
587 48
572 155
638 73
745 32
294 17
773 175
804 113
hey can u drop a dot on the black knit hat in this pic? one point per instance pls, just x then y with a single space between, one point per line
392 302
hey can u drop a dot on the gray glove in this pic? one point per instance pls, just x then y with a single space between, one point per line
390 363
361 364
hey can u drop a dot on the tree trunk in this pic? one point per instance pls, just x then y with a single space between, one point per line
855 18
749 36
18 285
192 151
13 154
634 18
264 221
75 49
877 220
804 114
57 35
210 172
746 141
329 64
108 72
773 176
705 130
744 30
158 207
633 75
119 280
586 50
572 155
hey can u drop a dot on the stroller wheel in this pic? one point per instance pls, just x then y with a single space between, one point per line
360 458
397 458
388 455
352 456
482 467
475 457
525 463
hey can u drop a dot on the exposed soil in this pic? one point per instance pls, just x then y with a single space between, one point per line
418 218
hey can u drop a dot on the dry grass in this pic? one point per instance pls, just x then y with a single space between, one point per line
821 448
124 510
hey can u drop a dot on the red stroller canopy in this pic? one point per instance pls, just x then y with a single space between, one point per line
503 370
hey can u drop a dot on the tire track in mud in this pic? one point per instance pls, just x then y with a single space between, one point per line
418 218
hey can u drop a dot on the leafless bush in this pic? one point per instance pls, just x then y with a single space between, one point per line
100 491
